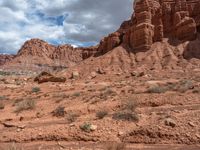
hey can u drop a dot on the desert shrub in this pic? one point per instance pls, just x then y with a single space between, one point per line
13 146
28 104
59 112
130 105
101 114
18 100
185 85
76 94
126 116
72 117
2 106
35 90
86 127
105 94
115 146
157 89
2 97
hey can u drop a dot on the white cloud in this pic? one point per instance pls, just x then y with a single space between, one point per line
84 21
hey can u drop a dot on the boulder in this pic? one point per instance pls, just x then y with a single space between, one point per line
47 77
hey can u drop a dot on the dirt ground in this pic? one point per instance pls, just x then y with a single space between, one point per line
151 110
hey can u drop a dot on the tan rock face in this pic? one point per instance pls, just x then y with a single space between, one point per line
154 20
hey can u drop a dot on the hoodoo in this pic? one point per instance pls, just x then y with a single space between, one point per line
154 20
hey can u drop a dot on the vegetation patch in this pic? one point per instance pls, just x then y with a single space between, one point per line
2 106
35 90
72 117
28 104
59 112
101 114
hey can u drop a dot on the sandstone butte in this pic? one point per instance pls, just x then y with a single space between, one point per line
167 22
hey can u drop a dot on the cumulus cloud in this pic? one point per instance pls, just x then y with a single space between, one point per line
77 22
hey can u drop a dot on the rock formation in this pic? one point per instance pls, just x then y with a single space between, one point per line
154 20
36 53
5 58
47 77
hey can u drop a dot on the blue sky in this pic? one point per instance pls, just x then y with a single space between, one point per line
76 22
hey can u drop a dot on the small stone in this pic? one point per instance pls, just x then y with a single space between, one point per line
19 130
121 133
72 125
93 75
93 127
198 136
22 127
191 124
75 75
170 122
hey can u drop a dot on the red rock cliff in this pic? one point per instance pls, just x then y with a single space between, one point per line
154 20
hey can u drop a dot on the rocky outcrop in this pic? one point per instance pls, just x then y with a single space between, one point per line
37 54
154 20
5 58
47 77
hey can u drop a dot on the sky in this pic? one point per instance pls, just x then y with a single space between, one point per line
75 22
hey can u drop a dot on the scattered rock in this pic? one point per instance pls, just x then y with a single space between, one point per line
170 122
191 124
47 77
93 127
93 75
75 75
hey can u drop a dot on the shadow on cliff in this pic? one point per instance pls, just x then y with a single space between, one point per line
192 50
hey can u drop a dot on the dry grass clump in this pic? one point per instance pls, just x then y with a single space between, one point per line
2 106
28 104
115 146
72 117
59 112
128 112
101 114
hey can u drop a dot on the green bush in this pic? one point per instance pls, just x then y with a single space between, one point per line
36 89
86 127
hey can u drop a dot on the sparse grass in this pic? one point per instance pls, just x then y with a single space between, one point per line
2 106
59 112
130 105
76 94
13 146
101 114
115 146
28 104
72 117
105 94
2 98
128 112
126 116
35 90
18 100
157 89
185 85
86 127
